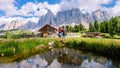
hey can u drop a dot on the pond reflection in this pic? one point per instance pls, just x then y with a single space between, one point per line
63 58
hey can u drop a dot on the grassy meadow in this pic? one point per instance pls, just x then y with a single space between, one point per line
9 47
18 49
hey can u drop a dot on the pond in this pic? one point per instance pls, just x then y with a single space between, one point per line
63 58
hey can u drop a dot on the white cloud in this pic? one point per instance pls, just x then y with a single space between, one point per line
41 12
27 8
85 4
8 7
67 5
44 6
115 11
33 7
32 19
38 9
54 8
9 19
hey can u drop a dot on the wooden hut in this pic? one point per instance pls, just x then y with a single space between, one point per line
93 34
47 30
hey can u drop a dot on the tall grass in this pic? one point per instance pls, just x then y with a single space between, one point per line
9 47
107 47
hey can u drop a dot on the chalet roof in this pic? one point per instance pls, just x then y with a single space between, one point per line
48 26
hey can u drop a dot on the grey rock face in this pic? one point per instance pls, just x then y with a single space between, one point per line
65 17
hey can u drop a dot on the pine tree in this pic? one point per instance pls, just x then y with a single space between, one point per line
91 27
76 28
69 28
97 26
106 26
116 21
112 26
81 27
102 27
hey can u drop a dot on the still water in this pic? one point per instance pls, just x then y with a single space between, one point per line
63 58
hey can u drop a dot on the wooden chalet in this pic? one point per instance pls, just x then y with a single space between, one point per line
47 30
93 34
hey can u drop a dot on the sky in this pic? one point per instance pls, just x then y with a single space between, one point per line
33 9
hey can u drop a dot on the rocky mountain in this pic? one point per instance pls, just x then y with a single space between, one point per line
27 26
68 17
74 16
12 25
17 25
2 26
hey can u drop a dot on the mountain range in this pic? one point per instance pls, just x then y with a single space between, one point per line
67 17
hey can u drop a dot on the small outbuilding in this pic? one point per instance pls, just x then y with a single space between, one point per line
93 34
47 30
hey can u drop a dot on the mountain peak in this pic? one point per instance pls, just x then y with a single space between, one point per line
65 17
49 11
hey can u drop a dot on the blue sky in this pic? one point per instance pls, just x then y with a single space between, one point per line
9 9
2 13
111 4
20 3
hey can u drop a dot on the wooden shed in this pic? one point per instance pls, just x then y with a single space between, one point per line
93 34
47 30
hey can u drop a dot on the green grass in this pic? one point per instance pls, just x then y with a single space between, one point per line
106 47
107 35
18 49
9 47
16 33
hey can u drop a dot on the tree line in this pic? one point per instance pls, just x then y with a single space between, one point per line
76 28
111 26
